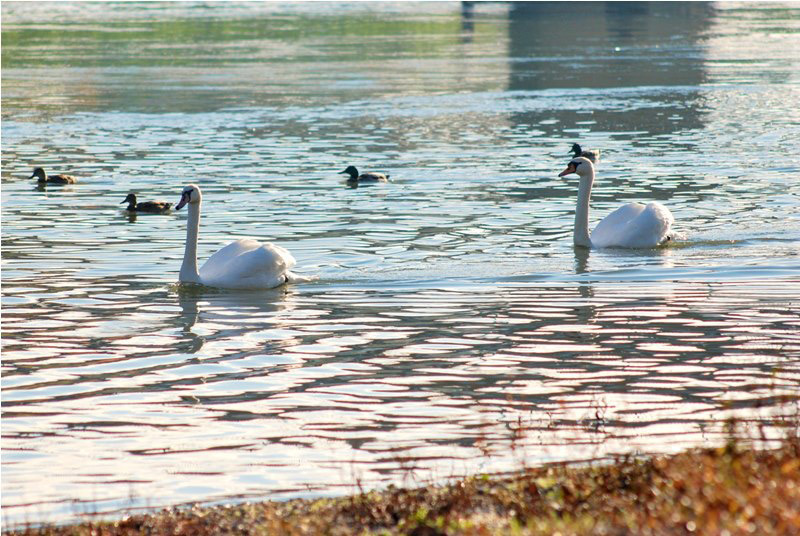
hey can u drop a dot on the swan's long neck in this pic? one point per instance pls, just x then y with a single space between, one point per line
189 272
580 236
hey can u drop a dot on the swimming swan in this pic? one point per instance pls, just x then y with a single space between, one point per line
369 176
630 226
242 264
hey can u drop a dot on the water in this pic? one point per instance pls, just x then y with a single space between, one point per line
450 327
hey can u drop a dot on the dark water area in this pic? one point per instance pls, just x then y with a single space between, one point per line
449 326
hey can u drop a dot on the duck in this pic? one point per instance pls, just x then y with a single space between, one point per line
370 176
577 151
630 226
43 177
155 207
242 264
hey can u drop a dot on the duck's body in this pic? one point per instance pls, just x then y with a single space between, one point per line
242 264
577 151
153 207
43 178
370 176
631 226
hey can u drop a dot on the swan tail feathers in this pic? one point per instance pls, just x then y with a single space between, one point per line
292 277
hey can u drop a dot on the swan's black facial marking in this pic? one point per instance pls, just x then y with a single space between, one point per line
186 196
570 169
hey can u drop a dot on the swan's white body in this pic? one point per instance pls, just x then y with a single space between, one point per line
631 226
242 264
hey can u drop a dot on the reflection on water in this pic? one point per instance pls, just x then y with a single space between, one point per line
451 327
616 46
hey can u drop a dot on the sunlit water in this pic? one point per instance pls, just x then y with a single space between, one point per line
450 327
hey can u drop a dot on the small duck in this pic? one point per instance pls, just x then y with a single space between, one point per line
43 177
155 207
364 177
576 151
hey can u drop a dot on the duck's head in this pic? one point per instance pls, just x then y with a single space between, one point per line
191 194
352 171
581 166
576 149
40 174
131 198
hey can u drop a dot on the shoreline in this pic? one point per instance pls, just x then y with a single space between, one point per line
733 489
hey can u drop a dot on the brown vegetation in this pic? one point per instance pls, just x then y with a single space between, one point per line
728 490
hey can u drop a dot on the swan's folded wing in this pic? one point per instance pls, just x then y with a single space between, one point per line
611 230
634 226
219 263
247 263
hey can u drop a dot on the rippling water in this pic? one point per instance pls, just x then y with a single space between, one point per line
450 326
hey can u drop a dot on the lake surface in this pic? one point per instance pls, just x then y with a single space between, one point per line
450 326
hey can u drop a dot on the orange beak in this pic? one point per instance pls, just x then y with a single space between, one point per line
570 169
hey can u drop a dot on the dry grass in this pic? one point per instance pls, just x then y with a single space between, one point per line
729 490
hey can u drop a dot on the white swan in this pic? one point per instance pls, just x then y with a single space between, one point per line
630 226
243 264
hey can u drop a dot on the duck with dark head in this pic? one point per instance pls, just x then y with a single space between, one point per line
153 207
44 178
577 151
370 176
